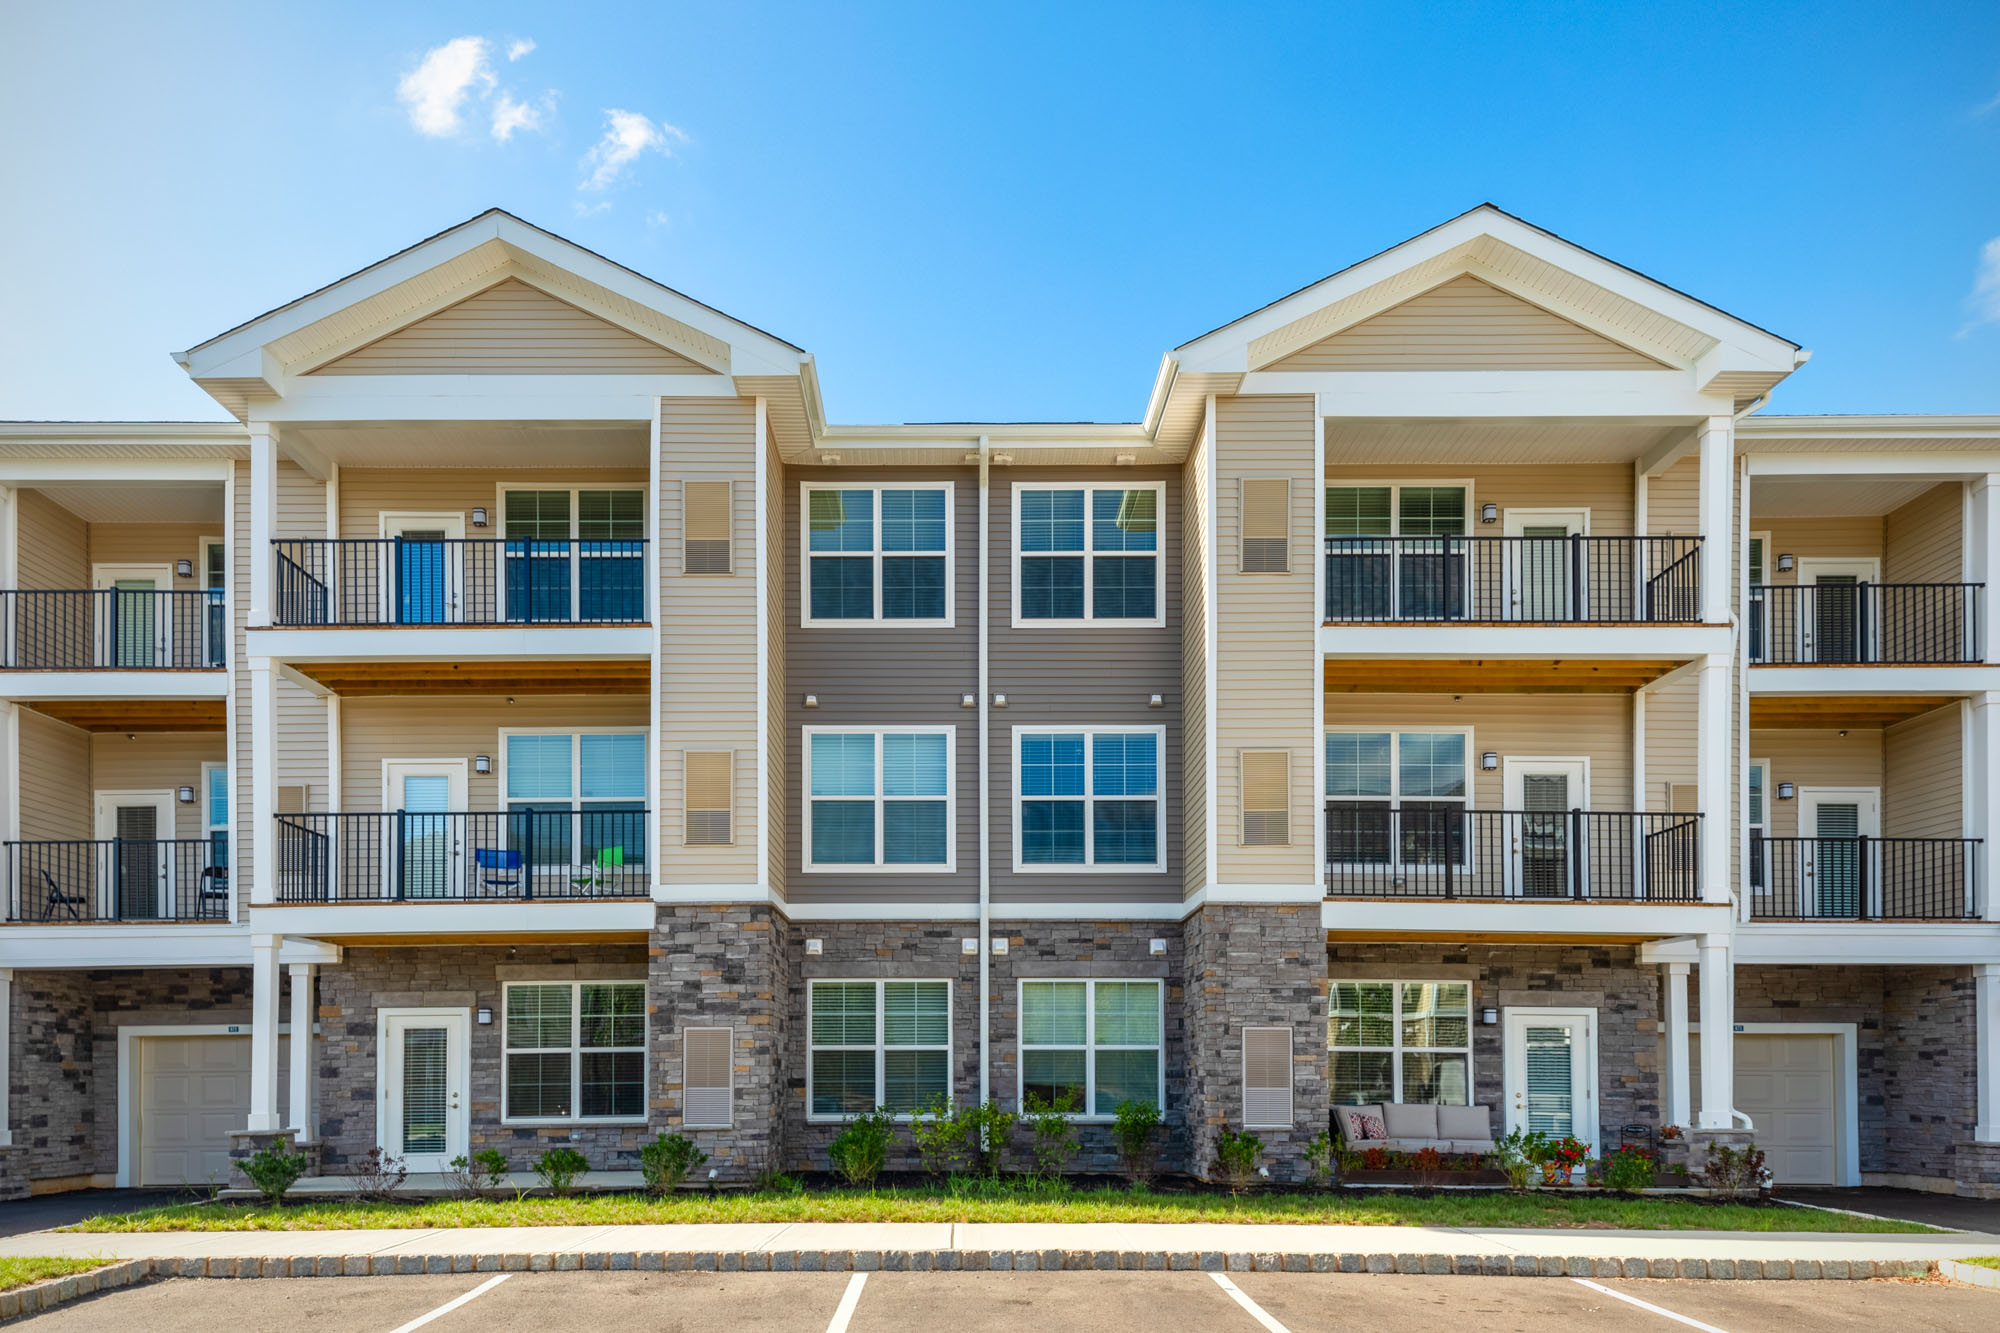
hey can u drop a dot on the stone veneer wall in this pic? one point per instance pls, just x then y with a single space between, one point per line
368 979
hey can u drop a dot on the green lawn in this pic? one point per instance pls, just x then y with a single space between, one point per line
19 1272
1000 1204
1983 1260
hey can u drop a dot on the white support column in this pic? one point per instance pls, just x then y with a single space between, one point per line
1986 1037
6 1057
1675 1074
263 516
1718 473
265 1013
334 756
1982 559
1714 691
263 781
10 538
305 1065
1639 882
1982 799
1718 1034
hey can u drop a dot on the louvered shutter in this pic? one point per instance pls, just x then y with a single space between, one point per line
1267 798
709 787
706 1102
705 514
1267 1078
1266 543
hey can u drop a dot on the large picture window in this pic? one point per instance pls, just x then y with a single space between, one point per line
877 1044
1094 1042
576 798
575 1051
1401 1041
1085 554
574 554
1389 553
1397 797
879 799
1088 799
878 555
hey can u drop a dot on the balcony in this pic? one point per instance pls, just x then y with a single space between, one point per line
117 879
1441 851
1863 879
394 581
1854 624
112 629
519 855
1513 580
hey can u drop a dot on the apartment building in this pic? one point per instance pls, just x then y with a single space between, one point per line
530 721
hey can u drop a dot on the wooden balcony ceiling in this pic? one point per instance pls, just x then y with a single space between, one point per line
363 679
1500 675
1779 711
136 715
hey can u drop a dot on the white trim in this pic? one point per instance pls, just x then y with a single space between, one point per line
881 1046
1396 1045
1444 639
1090 1045
879 866
461 1019
1847 1076
875 553
6 1057
1090 620
1562 916
449 917
761 590
453 523
1395 797
575 1050
544 642
1090 865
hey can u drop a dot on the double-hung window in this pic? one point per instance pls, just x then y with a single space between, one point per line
575 801
879 799
877 1044
1397 798
575 1051
1087 555
1094 1043
1401 1041
1089 799
1391 553
574 554
878 555
1757 820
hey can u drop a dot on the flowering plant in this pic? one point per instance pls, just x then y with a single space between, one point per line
1567 1151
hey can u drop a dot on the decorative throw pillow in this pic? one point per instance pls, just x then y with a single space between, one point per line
1371 1127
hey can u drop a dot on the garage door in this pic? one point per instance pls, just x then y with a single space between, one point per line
193 1093
1785 1083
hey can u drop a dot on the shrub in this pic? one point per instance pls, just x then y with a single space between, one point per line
1319 1159
559 1168
1054 1138
1517 1154
489 1169
1236 1156
777 1182
274 1170
1133 1130
862 1148
1374 1159
378 1176
668 1160
1732 1171
939 1132
1627 1171
1428 1163
987 1128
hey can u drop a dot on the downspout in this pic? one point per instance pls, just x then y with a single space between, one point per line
985 803
1740 516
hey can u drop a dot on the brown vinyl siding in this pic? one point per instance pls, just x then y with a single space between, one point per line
1605 489
56 803
157 761
1195 612
458 727
1597 727
54 545
1810 757
1922 795
1922 540
367 493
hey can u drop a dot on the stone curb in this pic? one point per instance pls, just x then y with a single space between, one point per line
1972 1273
39 1296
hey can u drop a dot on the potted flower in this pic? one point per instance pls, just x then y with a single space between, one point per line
1561 1158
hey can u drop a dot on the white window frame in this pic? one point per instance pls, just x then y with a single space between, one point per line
1395 796
1396 1047
576 801
950 863
1089 865
1090 1044
1763 826
209 827
1089 554
576 1050
881 1046
878 621
1396 501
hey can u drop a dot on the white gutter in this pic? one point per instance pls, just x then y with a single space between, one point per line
985 804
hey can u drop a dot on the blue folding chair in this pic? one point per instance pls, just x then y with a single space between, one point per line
500 870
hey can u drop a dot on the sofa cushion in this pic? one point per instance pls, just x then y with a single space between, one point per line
1464 1122
1480 1146
1350 1121
1413 1145
1410 1122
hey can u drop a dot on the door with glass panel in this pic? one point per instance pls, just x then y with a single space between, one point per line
1401 1041
1550 1071
1540 793
422 851
426 569
1832 624
1834 820
1395 552
134 626
137 825
1544 580
424 1107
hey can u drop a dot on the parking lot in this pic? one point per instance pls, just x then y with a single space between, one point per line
974 1302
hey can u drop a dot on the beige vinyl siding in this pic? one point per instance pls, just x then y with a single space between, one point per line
1856 538
55 780
1605 489
512 328
1195 611
1815 758
708 686
1922 795
153 544
1597 727
1671 737
300 734
1673 501
54 545
367 493
777 486
301 508
1922 540
1466 324
1267 654
459 727
158 761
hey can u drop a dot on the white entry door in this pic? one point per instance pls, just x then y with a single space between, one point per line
1831 623
134 628
1543 582
1550 1070
423 848
135 872
423 1106
1539 794
1831 869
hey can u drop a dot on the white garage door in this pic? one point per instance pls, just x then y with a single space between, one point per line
1786 1084
193 1093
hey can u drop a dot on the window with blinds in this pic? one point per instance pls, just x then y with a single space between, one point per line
877 1045
705 521
1084 554
706 1096
708 791
576 799
1267 798
1267 1078
1266 540
879 800
878 556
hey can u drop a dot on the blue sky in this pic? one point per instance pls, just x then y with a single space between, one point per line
1006 215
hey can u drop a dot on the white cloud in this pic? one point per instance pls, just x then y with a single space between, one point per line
437 88
627 134
510 115
657 217
519 47
1985 298
584 210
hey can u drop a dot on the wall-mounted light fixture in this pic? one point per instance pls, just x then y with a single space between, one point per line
482 763
814 948
184 568
1155 701
999 701
1489 513
812 701
968 701
1489 761
1157 948
1785 791
1785 563
830 459
1125 460
1489 1016
999 946
485 1018
479 516
185 795
968 947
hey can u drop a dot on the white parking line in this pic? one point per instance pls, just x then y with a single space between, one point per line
1648 1305
850 1298
452 1304
1256 1311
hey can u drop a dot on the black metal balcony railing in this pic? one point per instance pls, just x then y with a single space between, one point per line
117 879
112 629
479 581
1863 879
508 855
1523 580
1864 623
1441 850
